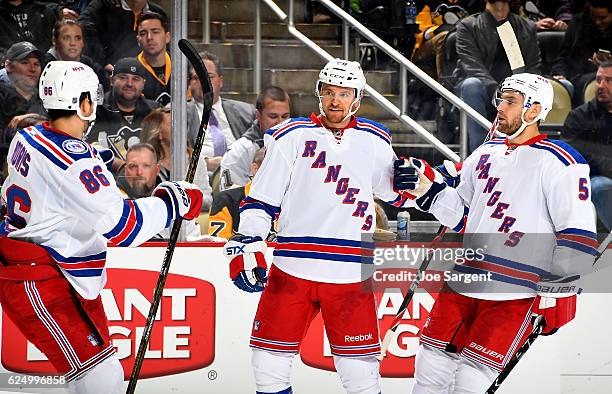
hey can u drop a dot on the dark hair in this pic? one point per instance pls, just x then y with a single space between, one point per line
606 64
55 114
273 93
600 4
145 16
64 22
215 59
142 146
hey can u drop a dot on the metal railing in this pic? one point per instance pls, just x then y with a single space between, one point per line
406 65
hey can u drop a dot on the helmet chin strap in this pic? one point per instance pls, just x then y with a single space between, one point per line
524 124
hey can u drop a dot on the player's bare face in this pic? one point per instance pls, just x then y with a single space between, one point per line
274 112
604 85
128 87
141 172
69 44
509 112
26 72
152 37
336 102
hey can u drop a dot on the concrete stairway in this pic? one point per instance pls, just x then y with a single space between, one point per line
285 61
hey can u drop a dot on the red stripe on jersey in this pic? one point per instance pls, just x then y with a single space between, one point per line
502 270
291 124
325 248
560 150
130 224
374 128
57 152
98 264
588 241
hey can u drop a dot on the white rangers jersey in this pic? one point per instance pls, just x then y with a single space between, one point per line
529 208
60 195
322 189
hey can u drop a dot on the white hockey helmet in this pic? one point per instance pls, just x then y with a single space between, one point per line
343 73
63 82
535 89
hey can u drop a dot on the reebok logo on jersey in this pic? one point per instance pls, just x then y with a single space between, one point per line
358 338
486 351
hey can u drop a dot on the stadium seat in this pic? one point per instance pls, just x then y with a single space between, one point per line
562 104
549 42
590 91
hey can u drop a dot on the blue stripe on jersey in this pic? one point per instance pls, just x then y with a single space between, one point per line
137 227
58 139
125 214
325 256
84 273
67 260
578 231
569 149
251 203
326 241
496 276
299 126
462 223
495 141
515 265
379 135
553 151
42 150
577 246
380 130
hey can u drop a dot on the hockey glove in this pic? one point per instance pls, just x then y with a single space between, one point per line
556 301
248 268
182 199
450 172
418 181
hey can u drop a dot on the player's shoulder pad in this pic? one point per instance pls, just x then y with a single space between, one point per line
282 129
60 149
374 128
561 150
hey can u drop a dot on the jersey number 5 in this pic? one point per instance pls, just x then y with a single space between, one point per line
93 179
583 189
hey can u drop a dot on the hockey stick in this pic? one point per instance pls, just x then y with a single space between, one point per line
198 65
390 334
539 325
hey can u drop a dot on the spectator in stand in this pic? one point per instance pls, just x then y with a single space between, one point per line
157 131
141 173
548 14
224 213
110 28
587 35
119 119
272 107
229 119
589 129
483 63
142 176
153 37
21 72
26 20
68 44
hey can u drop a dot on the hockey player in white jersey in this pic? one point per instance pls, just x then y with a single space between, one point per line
63 207
320 175
526 199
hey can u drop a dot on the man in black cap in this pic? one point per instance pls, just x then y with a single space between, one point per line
18 89
118 120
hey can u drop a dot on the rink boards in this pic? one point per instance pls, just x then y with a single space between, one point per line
200 340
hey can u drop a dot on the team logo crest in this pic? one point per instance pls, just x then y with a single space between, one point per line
74 146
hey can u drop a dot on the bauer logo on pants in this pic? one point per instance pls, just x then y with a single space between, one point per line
183 335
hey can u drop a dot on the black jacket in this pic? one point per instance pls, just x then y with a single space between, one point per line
477 42
589 129
110 31
41 18
581 40
120 134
